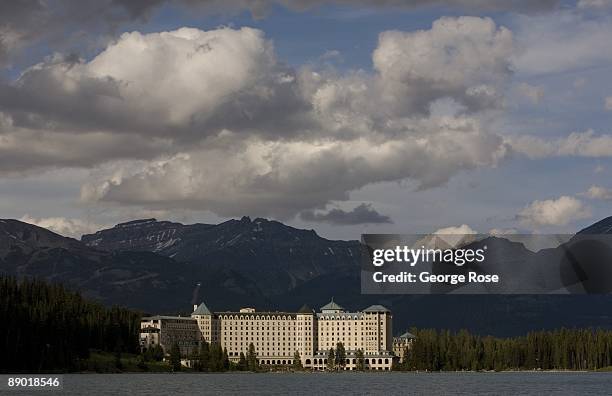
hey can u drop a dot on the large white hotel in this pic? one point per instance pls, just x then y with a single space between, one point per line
278 335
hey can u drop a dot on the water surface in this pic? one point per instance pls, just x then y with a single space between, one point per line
524 383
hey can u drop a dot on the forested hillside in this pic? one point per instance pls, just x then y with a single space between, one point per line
562 349
48 328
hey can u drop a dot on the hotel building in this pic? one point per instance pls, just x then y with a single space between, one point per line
276 336
168 330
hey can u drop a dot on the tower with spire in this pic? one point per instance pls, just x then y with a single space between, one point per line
332 307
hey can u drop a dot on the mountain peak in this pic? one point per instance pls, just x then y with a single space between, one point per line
601 227
27 237
137 235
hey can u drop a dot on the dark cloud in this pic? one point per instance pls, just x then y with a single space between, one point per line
28 22
464 5
63 24
362 214
137 8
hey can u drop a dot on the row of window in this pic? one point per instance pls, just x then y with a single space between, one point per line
257 317
367 361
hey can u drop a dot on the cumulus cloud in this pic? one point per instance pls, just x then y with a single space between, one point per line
453 236
23 150
181 83
283 178
58 24
211 120
188 84
63 226
361 214
598 192
562 41
463 229
583 144
553 212
466 59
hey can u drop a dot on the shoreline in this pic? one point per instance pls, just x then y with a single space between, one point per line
306 372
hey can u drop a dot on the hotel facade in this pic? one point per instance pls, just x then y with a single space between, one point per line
276 336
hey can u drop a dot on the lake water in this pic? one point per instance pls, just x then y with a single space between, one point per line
526 383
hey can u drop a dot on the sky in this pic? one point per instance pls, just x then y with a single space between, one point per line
346 117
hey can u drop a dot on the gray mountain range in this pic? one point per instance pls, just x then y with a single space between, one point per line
163 267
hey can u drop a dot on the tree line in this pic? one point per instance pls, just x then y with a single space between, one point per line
562 349
48 328
210 357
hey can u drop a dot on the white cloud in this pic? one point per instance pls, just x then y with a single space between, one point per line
463 229
184 85
464 58
281 178
608 103
598 192
562 41
453 236
274 141
55 24
63 226
583 144
553 212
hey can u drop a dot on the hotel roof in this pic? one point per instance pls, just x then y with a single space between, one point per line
376 308
157 317
332 306
202 309
305 310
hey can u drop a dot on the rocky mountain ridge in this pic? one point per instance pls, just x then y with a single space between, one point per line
164 267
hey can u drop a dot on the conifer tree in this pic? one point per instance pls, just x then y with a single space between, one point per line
225 360
297 361
331 363
175 357
340 356
216 357
48 328
252 363
204 357
360 366
242 363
